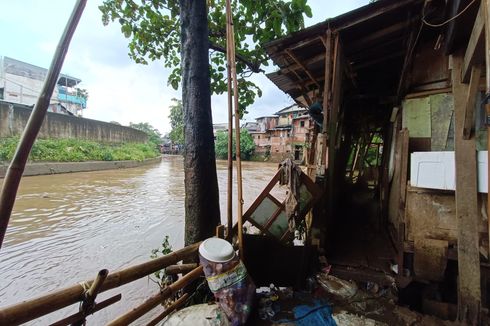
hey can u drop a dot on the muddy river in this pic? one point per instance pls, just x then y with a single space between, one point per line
66 227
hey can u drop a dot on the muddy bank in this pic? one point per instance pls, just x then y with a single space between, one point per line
70 167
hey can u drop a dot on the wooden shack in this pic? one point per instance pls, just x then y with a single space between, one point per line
400 80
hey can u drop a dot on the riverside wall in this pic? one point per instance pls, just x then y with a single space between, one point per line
13 119
43 168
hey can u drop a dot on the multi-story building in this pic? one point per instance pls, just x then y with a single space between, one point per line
283 134
261 136
21 82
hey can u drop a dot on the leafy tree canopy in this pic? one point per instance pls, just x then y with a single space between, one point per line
247 145
154 135
176 122
153 28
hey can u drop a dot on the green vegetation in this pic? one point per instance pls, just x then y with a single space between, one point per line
176 122
76 150
247 145
166 248
153 30
154 136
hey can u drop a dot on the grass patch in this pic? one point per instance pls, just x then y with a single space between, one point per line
76 150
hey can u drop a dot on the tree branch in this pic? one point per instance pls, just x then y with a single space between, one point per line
254 66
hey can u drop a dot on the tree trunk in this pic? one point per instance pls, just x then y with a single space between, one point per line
201 185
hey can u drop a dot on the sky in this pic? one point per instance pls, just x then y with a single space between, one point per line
119 89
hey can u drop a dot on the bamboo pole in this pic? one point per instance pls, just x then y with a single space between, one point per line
179 269
90 295
157 299
174 306
229 207
35 308
231 50
96 285
16 167
81 315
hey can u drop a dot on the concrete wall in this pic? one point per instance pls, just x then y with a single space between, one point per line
71 167
13 118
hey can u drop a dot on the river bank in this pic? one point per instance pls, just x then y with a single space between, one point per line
43 168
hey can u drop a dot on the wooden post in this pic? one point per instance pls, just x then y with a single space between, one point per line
16 167
332 123
469 295
326 93
486 12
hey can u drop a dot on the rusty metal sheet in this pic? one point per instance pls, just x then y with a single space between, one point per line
416 117
442 107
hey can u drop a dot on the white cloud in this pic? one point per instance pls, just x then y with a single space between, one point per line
119 89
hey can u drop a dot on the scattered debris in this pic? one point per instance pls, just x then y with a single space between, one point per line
336 286
202 315
347 319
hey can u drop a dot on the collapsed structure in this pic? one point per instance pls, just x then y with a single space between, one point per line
403 96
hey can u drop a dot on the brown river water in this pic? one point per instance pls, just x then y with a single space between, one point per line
66 227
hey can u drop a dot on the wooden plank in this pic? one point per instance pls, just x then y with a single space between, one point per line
469 292
474 50
469 112
404 156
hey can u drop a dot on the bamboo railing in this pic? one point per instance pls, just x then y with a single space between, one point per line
53 301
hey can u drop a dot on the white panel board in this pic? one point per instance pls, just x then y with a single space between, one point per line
436 170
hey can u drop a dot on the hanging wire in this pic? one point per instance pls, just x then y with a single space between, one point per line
447 21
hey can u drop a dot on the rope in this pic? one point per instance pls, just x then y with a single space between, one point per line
85 286
447 21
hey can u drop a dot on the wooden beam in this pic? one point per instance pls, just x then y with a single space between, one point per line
475 46
469 291
469 116
377 60
360 44
296 60
308 62
373 14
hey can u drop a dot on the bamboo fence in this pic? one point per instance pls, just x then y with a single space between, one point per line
32 309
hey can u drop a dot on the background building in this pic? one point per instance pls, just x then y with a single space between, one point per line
21 83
